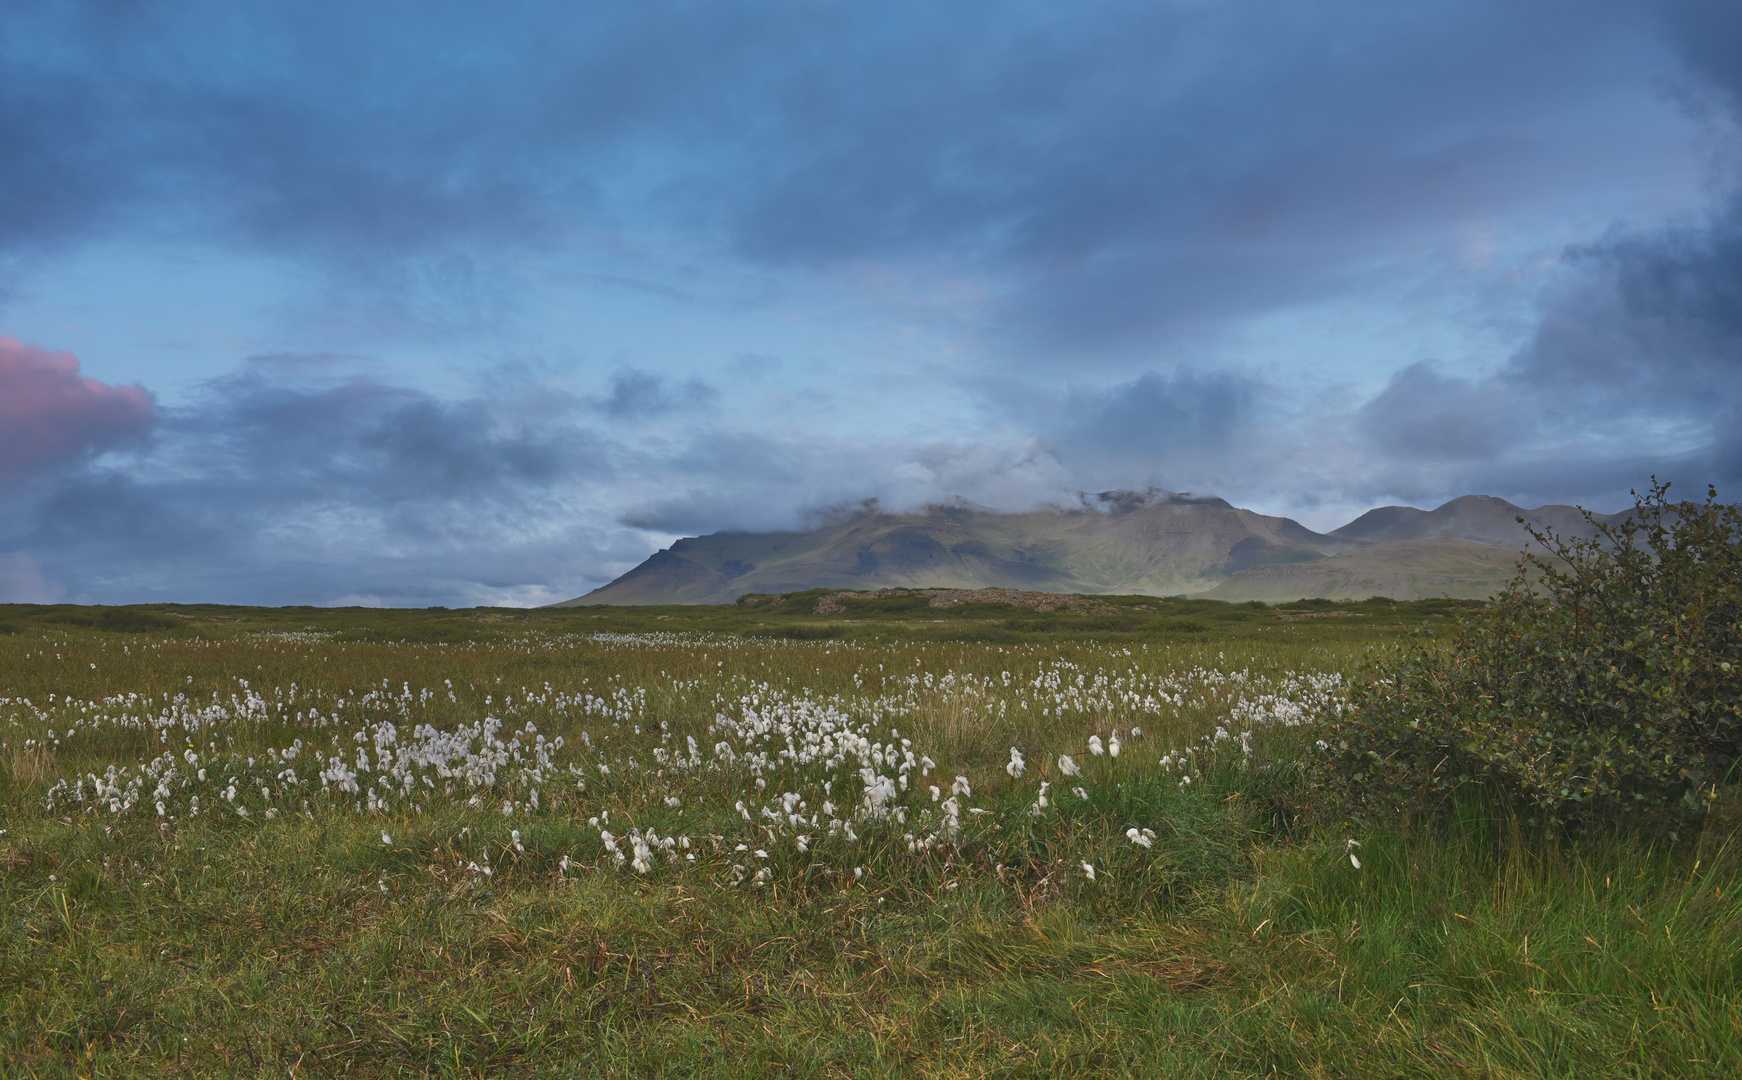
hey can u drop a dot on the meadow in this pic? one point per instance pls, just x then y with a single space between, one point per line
887 839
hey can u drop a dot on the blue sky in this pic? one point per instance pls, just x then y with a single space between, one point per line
439 303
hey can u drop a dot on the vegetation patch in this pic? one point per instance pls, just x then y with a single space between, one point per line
1606 679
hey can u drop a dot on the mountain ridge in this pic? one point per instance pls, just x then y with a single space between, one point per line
1155 543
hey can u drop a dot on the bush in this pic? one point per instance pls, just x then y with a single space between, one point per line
1605 678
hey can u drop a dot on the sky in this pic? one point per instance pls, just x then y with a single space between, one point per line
421 303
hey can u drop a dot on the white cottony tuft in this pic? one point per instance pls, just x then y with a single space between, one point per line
1068 767
1095 745
1349 847
1145 838
1014 768
1089 869
385 839
1113 744
960 787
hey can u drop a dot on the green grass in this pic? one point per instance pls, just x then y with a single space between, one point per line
1243 942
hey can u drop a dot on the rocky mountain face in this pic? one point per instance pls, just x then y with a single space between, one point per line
1155 543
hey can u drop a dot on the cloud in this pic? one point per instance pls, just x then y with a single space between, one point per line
1156 413
288 482
1096 176
638 394
51 416
1425 414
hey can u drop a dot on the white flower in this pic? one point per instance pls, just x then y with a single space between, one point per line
1143 839
1014 767
935 793
960 787
385 839
515 836
1068 767
1089 870
1349 847
1113 744
1095 745
1081 794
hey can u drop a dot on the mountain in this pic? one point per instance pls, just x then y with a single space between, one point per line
1154 543
1481 519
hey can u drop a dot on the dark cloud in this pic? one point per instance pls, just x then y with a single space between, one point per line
1424 413
1707 34
1156 414
308 489
638 394
1107 172
51 416
1634 366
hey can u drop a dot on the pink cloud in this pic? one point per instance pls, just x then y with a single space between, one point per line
51 415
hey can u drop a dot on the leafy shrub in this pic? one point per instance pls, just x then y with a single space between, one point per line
1606 677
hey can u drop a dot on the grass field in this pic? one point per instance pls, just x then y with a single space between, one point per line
762 841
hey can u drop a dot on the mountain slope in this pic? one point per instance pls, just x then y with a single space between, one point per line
1155 543
1481 519
1158 544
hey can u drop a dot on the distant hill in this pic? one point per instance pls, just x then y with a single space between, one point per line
1155 543
1481 519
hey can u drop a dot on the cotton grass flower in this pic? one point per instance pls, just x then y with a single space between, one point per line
1069 767
1349 847
1089 871
1095 745
1015 765
386 839
1143 838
